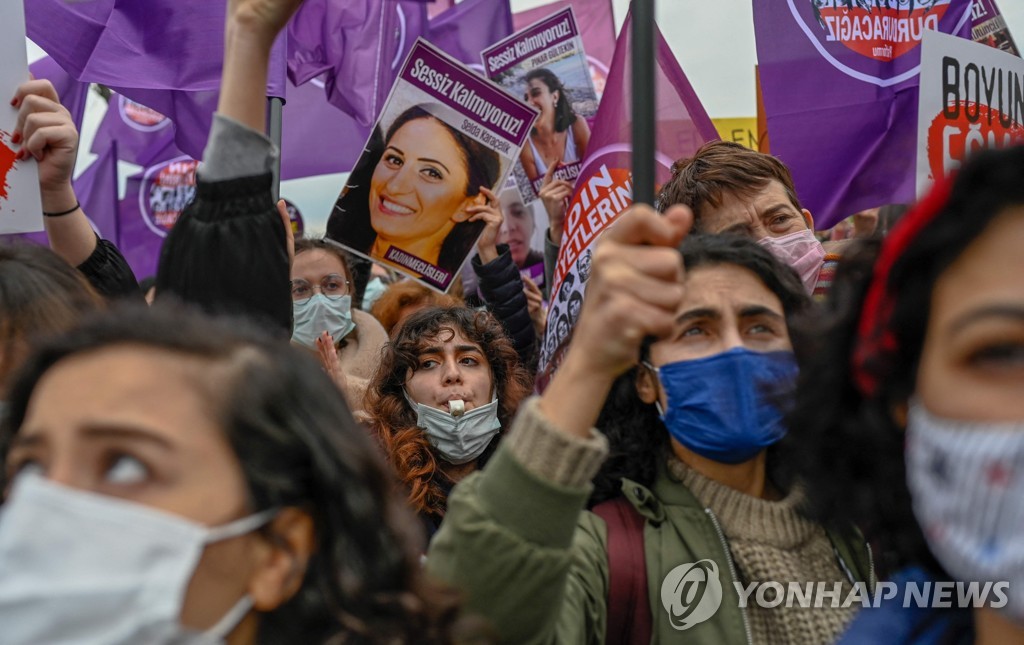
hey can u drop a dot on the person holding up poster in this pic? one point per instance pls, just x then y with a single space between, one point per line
560 136
418 194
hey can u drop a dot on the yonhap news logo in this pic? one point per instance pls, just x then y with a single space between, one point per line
692 593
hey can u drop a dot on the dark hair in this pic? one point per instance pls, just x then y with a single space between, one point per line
637 437
298 446
351 221
40 295
718 168
565 116
851 446
394 420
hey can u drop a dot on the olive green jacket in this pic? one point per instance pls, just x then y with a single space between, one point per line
532 561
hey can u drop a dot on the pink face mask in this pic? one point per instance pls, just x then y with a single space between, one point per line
802 251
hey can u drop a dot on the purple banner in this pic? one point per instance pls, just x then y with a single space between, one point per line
989 27
445 134
853 147
605 185
544 35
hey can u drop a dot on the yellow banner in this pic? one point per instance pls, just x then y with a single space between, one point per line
742 131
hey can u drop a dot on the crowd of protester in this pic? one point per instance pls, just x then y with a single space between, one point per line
272 442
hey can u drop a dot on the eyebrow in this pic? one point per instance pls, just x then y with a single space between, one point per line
427 159
1013 312
703 312
468 348
751 311
104 431
777 208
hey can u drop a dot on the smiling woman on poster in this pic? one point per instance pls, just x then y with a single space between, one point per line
418 189
559 135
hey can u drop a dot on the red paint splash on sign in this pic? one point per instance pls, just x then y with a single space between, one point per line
966 127
7 161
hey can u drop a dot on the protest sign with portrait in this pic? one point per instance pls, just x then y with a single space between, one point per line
546 65
444 134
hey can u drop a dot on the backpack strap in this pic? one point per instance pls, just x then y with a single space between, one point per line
628 614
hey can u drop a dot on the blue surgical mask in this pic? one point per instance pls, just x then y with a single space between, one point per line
724 407
320 314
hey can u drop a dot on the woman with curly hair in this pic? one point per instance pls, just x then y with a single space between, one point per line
448 383
922 442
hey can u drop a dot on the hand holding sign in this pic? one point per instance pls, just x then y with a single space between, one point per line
47 133
555 194
634 291
490 213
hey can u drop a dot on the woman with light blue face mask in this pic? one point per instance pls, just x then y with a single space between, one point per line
347 340
683 359
448 383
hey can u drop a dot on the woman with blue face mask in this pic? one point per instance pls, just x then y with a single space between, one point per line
448 384
921 359
347 339
692 511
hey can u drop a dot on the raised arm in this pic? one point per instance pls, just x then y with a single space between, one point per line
47 134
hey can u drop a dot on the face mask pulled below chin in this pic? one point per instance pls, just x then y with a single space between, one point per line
966 481
78 567
723 407
320 314
801 251
459 440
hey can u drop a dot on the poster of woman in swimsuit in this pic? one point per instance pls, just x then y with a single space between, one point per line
545 65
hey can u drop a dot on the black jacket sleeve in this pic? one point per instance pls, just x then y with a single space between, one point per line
108 272
227 254
502 289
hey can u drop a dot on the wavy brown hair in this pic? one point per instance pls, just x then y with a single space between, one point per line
390 307
406 447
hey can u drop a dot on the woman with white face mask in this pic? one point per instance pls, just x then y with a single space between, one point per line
448 383
169 479
325 320
912 417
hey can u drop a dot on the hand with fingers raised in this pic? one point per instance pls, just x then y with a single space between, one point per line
555 195
490 213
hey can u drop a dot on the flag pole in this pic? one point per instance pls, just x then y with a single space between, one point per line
274 118
643 101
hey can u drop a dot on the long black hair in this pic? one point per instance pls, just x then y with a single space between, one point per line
565 116
350 220
636 435
851 444
298 446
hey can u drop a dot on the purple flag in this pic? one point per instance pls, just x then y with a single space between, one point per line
854 146
989 27
317 138
141 133
96 189
72 93
358 45
605 185
468 28
596 22
154 199
151 45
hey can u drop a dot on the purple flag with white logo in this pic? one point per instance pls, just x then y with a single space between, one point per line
153 202
357 46
72 93
604 188
141 133
468 28
854 146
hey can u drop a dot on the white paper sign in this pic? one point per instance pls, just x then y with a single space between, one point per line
20 207
971 98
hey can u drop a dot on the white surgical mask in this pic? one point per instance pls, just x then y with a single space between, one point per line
320 314
375 288
801 251
462 439
89 569
967 484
